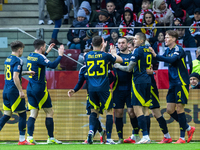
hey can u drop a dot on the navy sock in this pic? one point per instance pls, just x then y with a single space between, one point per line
119 127
109 125
175 116
99 124
163 124
92 121
31 124
22 123
3 120
182 124
148 123
142 124
134 123
50 126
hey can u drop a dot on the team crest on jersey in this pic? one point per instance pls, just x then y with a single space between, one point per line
18 67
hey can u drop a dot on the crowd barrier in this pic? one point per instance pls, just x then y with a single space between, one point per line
71 121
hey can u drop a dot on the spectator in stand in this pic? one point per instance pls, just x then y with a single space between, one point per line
41 4
156 46
130 7
194 81
146 4
114 34
55 9
195 32
162 14
151 32
75 6
120 4
185 38
128 22
113 14
187 5
181 13
76 36
194 66
91 15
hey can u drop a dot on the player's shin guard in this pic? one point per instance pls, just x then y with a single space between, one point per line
50 126
109 125
143 124
3 120
92 121
22 123
119 127
163 124
182 124
134 123
31 125
148 123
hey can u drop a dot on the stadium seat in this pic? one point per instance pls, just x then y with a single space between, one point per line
68 64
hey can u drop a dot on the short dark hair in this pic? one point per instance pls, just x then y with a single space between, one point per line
142 36
15 45
123 38
172 33
148 12
110 2
38 43
96 41
146 1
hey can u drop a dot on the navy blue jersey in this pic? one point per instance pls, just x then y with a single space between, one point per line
12 64
38 63
177 69
143 57
122 78
81 78
97 69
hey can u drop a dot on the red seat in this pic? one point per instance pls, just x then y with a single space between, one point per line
68 64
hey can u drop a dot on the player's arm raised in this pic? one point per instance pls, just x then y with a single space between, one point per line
32 73
18 84
114 53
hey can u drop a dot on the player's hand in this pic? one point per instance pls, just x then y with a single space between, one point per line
104 44
71 92
21 94
32 73
152 51
61 50
50 47
116 65
113 50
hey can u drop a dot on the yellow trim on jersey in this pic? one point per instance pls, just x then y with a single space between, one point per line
139 66
31 107
116 82
183 62
17 102
183 83
43 100
154 94
185 91
108 101
39 72
139 97
5 107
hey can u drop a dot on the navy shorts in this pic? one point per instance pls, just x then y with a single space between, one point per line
178 94
141 94
155 103
101 100
38 99
13 102
120 98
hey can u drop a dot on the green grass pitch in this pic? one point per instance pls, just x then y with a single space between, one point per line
78 146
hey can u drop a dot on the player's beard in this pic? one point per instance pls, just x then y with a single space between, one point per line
124 49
